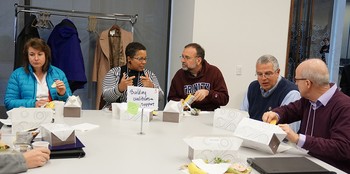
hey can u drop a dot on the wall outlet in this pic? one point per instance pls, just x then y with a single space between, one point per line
239 70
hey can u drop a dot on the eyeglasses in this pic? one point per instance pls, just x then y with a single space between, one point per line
295 79
141 59
186 57
266 74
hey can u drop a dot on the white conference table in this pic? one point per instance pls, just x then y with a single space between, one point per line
117 147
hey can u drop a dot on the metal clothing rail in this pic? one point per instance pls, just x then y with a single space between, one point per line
71 13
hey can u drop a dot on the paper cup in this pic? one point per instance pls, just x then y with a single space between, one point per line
115 111
59 106
40 144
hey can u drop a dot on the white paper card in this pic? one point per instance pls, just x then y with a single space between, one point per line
85 126
260 135
228 118
146 97
24 119
119 111
211 168
62 131
208 148
7 122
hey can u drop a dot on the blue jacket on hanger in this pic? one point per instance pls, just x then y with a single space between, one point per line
66 53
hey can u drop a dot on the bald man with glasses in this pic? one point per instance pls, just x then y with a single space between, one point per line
324 112
269 91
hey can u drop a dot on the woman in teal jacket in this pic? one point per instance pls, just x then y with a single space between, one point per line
37 82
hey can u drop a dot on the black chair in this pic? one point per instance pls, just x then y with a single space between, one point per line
3 114
345 80
102 103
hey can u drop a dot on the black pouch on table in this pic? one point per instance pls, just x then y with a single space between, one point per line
68 151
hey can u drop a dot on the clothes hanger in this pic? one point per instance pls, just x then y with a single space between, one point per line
38 21
43 21
92 22
46 21
115 28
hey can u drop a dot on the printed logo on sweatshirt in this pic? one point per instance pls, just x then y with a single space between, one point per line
191 89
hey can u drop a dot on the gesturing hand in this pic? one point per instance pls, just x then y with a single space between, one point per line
125 82
60 87
201 94
146 81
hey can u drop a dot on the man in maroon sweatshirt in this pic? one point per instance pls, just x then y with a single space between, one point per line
324 112
199 78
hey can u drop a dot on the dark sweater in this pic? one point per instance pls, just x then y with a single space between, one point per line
210 78
259 104
330 141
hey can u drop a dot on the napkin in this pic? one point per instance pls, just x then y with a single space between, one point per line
73 101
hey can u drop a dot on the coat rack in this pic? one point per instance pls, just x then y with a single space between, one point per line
71 13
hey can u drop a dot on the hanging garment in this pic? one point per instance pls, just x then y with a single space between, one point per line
66 53
27 33
109 53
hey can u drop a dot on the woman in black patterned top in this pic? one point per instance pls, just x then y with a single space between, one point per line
133 73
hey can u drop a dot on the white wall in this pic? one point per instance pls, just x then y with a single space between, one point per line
181 33
233 33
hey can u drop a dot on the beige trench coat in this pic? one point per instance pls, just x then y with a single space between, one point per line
102 58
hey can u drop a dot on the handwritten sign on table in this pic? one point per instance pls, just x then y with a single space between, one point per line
146 97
